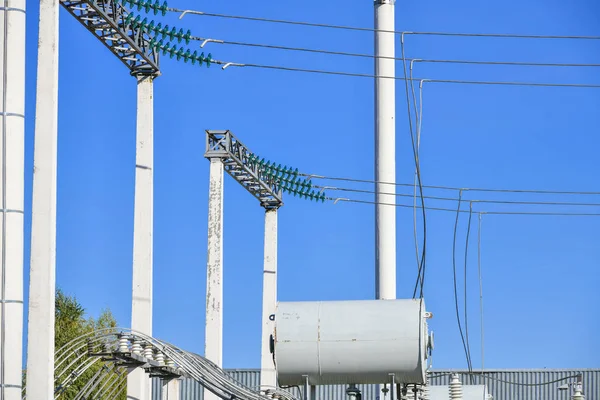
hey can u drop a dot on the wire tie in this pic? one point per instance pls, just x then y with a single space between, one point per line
232 64
8 210
189 12
13 9
9 114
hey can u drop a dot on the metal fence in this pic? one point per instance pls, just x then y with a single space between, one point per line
502 384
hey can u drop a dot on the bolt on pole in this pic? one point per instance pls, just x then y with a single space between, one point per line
138 383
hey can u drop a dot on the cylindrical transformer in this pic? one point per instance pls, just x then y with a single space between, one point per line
351 342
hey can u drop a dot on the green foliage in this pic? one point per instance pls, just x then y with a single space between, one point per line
286 178
70 324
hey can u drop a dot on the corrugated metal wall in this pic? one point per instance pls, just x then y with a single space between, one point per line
527 387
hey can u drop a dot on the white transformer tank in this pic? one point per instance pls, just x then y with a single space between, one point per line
351 342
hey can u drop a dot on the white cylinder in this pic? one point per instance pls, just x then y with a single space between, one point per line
12 65
455 388
385 151
345 342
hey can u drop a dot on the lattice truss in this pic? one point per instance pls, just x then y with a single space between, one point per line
107 20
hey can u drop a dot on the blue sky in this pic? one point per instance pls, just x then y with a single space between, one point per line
540 273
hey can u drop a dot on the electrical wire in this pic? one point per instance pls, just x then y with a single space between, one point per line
184 12
466 309
484 376
480 291
470 189
454 199
556 214
226 64
372 56
462 336
421 264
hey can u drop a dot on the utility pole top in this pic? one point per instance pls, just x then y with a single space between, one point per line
238 163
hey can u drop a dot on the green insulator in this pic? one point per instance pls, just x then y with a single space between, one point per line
139 5
309 183
172 52
262 161
152 43
180 53
295 172
180 35
147 7
187 55
144 24
128 19
188 36
163 8
165 31
151 28
173 34
137 21
208 60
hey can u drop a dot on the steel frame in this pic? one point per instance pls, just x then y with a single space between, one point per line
106 19
223 144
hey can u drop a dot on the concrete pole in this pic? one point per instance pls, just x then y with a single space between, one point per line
385 151
268 376
213 345
138 383
42 272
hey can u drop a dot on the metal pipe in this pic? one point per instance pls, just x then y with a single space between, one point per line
138 383
42 275
213 347
268 376
385 151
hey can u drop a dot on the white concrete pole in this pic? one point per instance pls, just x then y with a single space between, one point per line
268 376
138 382
213 344
40 338
385 151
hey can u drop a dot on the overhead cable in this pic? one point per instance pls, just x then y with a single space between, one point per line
454 188
460 329
516 202
372 56
184 12
480 292
466 309
542 213
226 64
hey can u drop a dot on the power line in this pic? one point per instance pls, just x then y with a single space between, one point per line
466 309
450 81
372 56
470 189
480 291
462 336
184 12
543 213
514 202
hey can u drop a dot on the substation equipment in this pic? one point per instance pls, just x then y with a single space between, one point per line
351 342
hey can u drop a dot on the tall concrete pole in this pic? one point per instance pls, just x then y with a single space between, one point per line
213 345
385 151
138 383
12 65
268 376
40 338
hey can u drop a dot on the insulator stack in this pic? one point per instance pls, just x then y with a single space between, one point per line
136 348
169 362
286 178
150 27
123 344
425 392
146 5
160 358
148 353
455 388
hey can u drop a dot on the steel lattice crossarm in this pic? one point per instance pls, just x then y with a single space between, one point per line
107 20
236 159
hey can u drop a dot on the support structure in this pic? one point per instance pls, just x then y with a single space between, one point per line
138 383
213 345
40 339
385 151
227 153
268 375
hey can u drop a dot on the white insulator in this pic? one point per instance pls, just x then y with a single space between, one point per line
160 358
169 362
148 353
136 348
425 392
123 344
455 388
578 395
